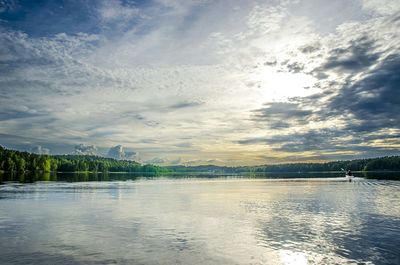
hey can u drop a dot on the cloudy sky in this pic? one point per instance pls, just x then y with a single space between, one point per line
224 82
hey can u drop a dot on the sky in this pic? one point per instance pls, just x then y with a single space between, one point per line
191 82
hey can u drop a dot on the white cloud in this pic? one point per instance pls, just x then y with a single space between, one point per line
115 10
40 150
382 7
178 72
119 152
83 149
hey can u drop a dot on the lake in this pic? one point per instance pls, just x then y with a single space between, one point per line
218 220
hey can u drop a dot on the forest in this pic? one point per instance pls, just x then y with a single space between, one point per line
16 161
371 164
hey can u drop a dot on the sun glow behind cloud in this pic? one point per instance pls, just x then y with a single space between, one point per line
280 86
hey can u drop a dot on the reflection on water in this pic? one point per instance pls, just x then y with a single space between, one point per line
201 221
31 177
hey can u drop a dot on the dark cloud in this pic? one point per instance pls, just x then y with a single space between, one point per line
279 125
320 75
282 110
249 141
185 104
281 114
300 157
364 99
359 54
298 141
373 102
152 123
295 67
313 140
141 118
325 143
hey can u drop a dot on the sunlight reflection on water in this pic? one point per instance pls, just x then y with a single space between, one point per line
198 221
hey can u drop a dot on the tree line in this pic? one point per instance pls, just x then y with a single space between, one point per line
370 164
16 161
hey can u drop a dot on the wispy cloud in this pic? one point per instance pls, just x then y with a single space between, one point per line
7 5
176 80
115 10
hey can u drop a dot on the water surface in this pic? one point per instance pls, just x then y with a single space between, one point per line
201 221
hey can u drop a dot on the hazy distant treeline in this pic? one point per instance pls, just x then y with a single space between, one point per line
16 161
381 163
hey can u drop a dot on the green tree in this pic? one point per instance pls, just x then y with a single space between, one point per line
44 164
21 165
11 164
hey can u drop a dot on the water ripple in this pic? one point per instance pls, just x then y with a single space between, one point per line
218 221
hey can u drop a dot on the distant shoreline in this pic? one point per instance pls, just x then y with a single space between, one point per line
16 161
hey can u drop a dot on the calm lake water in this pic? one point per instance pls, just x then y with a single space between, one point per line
201 221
